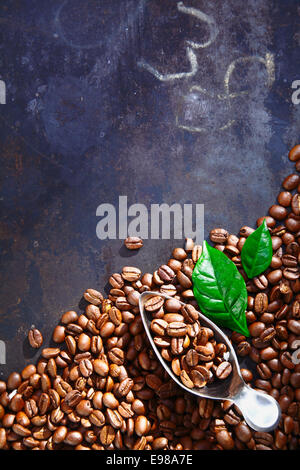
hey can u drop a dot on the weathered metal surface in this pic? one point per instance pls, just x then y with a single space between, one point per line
149 99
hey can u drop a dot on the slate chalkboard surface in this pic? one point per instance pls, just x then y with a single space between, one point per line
160 101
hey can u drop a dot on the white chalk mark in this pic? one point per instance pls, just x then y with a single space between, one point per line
267 61
202 129
213 30
227 125
199 89
168 77
189 128
2 92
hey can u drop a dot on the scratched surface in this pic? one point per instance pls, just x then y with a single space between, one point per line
176 102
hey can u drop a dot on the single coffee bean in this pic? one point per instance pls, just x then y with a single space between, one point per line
294 154
166 273
14 381
133 243
86 367
192 358
73 438
116 281
35 338
196 253
107 435
179 254
198 379
114 418
243 348
101 367
243 432
224 370
177 346
176 329
190 314
93 296
73 398
218 235
185 379
284 198
261 303
84 408
154 303
278 212
48 353
130 273
69 317
116 356
158 326
59 334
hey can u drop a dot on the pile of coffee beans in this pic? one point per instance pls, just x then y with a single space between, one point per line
102 387
195 356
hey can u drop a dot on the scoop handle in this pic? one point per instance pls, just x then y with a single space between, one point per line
260 411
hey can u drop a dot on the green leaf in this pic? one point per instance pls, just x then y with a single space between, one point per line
220 290
257 251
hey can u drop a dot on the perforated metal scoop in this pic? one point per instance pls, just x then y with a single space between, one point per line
260 411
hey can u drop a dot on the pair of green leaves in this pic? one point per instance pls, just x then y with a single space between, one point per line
219 288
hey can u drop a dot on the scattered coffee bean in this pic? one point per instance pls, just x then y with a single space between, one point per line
133 243
35 338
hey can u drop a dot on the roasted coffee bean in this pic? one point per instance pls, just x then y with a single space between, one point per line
73 438
154 303
116 356
261 303
278 212
256 328
199 380
116 281
166 273
176 329
243 432
130 273
261 282
196 253
190 314
48 353
69 317
14 380
192 358
158 326
73 398
224 370
35 338
114 418
243 348
133 243
267 334
93 296
176 346
218 235
101 367
294 154
291 182
284 198
86 367
185 379
296 204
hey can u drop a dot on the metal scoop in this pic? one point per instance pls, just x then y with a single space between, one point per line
260 411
